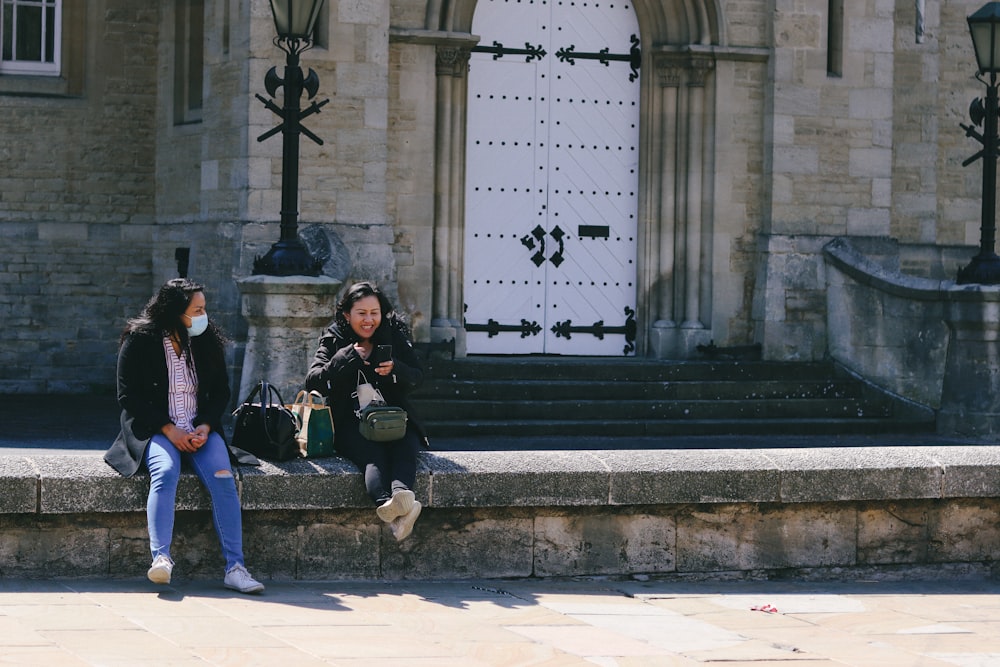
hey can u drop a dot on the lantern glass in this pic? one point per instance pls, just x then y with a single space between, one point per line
295 19
984 25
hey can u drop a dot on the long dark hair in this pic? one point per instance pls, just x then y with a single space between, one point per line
162 316
359 291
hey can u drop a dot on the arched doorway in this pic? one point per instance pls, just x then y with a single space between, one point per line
681 43
551 179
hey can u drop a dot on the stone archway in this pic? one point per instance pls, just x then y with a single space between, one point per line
683 40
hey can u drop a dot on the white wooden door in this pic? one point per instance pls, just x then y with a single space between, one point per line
551 179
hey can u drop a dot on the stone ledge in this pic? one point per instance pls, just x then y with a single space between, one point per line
828 512
73 484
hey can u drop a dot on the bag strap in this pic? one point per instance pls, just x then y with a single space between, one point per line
268 393
249 399
270 427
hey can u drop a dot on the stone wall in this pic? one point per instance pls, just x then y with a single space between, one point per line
77 196
707 514
97 197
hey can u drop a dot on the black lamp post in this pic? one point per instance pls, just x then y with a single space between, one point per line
294 21
984 25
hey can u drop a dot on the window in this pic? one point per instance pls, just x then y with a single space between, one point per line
835 38
30 37
189 60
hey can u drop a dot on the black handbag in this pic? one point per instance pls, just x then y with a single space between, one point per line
266 429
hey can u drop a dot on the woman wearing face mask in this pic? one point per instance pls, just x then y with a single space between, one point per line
365 320
173 388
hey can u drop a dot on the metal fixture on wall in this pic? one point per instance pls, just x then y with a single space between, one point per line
294 21
984 25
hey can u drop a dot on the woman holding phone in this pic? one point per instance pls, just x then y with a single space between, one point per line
367 339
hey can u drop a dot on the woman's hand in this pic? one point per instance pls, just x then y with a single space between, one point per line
385 367
364 349
200 435
184 441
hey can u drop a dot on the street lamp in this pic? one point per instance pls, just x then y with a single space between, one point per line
984 25
294 21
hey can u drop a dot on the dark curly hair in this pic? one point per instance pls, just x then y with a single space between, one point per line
162 315
359 291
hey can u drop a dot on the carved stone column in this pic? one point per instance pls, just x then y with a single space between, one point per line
662 235
446 323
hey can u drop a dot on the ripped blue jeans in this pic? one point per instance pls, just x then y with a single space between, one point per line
211 464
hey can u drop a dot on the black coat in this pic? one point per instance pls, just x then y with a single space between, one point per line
142 395
334 372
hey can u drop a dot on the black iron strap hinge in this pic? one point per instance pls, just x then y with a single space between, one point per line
633 57
499 51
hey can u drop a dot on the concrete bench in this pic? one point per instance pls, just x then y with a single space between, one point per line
873 511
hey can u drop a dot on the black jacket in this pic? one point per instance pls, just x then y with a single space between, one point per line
142 395
334 372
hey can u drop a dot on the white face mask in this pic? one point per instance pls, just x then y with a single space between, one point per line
198 325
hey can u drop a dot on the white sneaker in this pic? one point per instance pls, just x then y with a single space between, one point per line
399 505
240 580
159 571
402 527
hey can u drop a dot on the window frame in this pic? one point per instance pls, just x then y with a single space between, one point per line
54 41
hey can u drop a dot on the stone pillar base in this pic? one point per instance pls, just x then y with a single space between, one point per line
286 315
970 395
442 329
667 340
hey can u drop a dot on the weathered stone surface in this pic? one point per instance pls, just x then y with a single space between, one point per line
852 473
64 546
303 484
751 537
969 472
690 476
964 531
894 534
489 479
78 484
860 507
605 543
19 481
463 543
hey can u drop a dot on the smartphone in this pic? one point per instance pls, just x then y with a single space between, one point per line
383 353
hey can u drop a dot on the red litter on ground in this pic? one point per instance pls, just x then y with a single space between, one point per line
766 608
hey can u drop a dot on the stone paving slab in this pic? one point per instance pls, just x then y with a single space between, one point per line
553 623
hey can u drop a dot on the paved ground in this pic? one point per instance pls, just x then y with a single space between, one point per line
472 623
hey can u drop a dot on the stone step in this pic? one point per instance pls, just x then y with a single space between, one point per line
542 396
439 389
625 369
614 408
623 428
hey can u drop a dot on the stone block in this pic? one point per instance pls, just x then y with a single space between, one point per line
893 534
964 531
531 479
575 544
459 544
690 476
304 484
870 162
750 537
19 481
969 472
128 545
65 546
856 473
339 545
76 484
